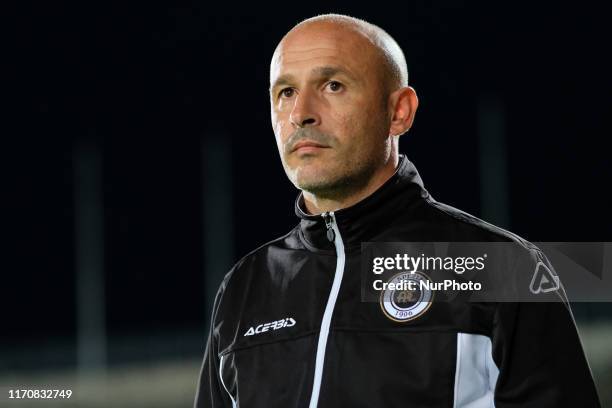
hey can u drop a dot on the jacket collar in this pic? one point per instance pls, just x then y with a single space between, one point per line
368 218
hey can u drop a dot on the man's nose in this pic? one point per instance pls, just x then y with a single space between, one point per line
304 111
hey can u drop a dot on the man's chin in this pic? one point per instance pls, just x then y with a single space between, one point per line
312 179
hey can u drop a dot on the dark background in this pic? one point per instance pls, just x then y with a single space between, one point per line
152 89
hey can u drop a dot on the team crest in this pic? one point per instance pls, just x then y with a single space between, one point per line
409 302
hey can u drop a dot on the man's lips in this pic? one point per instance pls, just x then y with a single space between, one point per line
307 145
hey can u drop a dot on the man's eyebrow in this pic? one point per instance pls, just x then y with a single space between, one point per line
321 72
286 79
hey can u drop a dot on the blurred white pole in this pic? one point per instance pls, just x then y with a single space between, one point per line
494 186
218 215
89 249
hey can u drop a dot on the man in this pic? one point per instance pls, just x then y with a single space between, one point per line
289 327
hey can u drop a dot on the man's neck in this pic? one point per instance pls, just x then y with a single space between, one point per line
317 205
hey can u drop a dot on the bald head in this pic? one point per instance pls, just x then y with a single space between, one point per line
391 60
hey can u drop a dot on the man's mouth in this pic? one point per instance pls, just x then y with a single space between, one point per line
305 146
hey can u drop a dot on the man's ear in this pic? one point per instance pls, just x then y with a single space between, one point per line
403 106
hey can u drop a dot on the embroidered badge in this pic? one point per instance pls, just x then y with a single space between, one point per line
410 298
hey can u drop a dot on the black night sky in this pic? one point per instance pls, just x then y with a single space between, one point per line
151 83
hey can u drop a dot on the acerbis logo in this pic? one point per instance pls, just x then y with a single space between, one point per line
544 280
275 325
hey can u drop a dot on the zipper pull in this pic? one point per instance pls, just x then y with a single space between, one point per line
331 235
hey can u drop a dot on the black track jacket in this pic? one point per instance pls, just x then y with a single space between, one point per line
289 328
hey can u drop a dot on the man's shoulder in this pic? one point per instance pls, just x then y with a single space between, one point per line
287 241
463 226
516 257
246 263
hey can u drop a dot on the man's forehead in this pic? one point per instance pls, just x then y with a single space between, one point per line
320 44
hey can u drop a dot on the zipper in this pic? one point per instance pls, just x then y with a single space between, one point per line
333 234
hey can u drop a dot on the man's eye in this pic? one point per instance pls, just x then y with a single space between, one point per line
286 93
334 86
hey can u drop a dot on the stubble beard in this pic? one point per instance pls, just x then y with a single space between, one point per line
341 180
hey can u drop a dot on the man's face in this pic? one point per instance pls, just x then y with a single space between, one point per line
328 108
